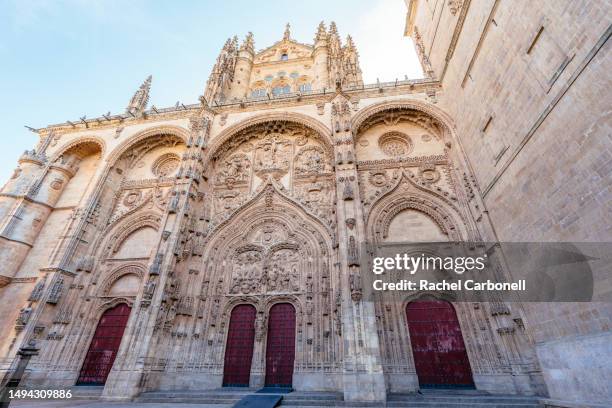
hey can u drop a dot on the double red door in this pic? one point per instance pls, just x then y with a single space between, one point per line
280 350
439 352
239 347
104 346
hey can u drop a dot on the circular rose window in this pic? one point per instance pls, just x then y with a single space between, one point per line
395 144
165 165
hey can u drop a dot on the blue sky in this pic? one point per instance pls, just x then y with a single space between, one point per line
62 59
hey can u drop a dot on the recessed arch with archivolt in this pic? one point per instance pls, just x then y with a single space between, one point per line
273 249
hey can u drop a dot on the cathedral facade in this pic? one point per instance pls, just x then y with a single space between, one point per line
218 244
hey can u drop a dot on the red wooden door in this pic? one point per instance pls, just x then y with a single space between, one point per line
104 346
280 349
239 347
439 353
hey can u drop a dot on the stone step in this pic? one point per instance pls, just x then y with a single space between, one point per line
464 399
428 399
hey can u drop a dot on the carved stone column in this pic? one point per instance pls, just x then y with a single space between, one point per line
363 374
157 303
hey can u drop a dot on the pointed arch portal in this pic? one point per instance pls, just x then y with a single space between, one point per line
239 347
439 352
104 346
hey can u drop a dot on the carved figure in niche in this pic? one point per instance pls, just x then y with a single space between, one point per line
272 157
355 284
309 310
171 314
38 290
149 289
234 170
310 160
353 252
215 311
56 291
24 316
309 285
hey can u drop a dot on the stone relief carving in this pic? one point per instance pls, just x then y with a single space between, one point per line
395 144
311 160
235 170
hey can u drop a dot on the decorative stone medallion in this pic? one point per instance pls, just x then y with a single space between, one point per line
132 198
378 178
395 144
165 165
428 173
57 184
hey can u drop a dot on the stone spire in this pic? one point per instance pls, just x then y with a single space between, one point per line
222 73
287 34
350 64
139 101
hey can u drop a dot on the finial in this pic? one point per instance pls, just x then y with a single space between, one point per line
249 43
349 42
139 101
287 34
321 31
332 27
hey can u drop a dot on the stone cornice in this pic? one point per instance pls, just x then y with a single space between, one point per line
250 104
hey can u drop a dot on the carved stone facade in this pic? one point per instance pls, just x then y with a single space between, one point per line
184 213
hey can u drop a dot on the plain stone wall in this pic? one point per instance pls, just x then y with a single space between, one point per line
534 119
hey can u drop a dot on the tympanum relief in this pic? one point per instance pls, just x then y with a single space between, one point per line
395 143
289 153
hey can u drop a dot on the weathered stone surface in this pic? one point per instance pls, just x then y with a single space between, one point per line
184 213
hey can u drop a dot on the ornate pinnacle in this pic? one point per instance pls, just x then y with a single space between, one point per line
349 42
249 43
139 101
332 28
321 32
287 34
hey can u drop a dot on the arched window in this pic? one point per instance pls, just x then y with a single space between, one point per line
284 57
256 93
279 90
